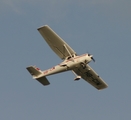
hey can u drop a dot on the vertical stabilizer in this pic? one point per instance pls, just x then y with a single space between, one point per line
34 71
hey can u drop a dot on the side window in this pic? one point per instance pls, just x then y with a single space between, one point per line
68 58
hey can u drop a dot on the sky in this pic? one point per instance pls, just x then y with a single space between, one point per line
99 27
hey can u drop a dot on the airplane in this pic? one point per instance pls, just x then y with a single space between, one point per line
78 64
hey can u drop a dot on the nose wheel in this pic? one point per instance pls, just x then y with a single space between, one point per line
83 65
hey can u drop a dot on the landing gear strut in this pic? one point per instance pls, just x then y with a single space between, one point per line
77 76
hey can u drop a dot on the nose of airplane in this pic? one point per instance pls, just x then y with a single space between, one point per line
91 56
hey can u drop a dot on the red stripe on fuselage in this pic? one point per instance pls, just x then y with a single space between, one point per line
53 68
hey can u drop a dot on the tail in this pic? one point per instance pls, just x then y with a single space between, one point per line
38 75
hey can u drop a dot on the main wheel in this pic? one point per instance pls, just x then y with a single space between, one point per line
83 65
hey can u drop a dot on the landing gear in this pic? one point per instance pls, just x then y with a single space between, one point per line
83 65
77 76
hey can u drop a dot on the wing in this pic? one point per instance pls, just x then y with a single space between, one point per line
89 75
56 43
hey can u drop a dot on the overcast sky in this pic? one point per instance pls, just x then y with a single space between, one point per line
100 27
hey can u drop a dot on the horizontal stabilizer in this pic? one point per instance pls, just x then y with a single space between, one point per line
37 74
43 80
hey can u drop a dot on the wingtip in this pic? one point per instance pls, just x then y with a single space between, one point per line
42 27
103 88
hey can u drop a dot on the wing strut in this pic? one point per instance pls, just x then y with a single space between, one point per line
69 53
67 50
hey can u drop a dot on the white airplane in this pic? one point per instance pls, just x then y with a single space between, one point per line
71 61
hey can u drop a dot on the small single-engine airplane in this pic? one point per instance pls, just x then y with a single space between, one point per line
71 61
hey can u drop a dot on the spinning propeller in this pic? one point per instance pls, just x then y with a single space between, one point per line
91 57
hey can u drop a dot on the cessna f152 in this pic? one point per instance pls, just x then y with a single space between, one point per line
71 61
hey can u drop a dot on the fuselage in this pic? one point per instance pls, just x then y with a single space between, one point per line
68 64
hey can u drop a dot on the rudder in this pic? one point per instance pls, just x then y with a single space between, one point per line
34 71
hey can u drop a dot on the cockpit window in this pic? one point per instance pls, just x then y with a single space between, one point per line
68 57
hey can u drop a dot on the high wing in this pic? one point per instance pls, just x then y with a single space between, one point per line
57 44
89 75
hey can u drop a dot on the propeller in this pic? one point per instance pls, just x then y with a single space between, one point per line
91 57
